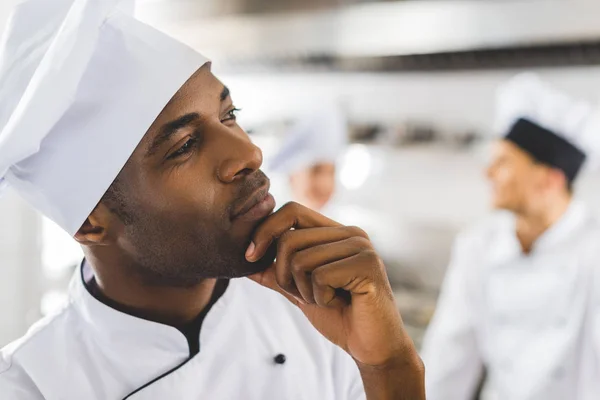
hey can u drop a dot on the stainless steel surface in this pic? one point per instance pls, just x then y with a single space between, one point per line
380 29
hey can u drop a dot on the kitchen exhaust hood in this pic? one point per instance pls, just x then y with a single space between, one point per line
375 32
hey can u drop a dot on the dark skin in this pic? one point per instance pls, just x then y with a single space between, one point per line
175 230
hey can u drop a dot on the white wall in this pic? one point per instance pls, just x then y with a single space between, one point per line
462 99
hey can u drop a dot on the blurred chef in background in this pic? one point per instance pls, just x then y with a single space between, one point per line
305 169
517 292
309 155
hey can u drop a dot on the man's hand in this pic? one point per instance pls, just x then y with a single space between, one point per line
332 273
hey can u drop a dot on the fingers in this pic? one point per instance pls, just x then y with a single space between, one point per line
360 275
305 242
300 251
290 216
292 242
303 263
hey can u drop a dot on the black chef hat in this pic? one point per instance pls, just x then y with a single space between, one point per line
547 147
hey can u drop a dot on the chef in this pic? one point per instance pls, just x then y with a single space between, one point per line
124 138
516 298
309 156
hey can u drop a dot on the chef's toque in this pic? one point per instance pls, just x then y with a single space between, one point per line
551 126
81 81
320 136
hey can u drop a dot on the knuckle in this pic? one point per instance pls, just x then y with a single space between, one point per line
372 258
356 231
319 277
297 263
360 242
285 240
291 206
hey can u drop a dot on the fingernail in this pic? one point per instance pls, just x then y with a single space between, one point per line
250 250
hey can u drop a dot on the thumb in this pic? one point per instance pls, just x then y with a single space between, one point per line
267 279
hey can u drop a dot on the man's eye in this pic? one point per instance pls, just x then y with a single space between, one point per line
232 114
185 148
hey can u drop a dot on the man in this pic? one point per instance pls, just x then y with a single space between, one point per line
516 297
309 154
125 138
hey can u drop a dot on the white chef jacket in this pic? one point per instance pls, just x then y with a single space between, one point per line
93 352
529 319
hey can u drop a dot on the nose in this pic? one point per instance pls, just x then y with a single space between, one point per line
242 158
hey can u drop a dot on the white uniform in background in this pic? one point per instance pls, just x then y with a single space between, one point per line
531 320
524 317
322 136
91 351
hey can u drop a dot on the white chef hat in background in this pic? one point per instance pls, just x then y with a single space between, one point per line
589 138
528 96
81 81
319 136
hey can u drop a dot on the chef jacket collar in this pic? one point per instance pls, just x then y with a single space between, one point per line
129 334
570 221
508 245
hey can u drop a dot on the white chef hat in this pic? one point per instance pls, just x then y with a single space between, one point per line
548 124
321 136
81 81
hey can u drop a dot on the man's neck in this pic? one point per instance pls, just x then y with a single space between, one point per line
532 225
175 306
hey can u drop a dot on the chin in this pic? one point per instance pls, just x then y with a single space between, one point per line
502 206
498 202
250 268
498 206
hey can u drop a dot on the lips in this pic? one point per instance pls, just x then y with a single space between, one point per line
259 205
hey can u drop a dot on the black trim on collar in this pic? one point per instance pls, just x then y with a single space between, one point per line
157 379
191 331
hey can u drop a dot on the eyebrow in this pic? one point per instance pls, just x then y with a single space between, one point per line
225 93
169 129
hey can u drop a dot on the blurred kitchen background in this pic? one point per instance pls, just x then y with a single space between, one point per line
416 80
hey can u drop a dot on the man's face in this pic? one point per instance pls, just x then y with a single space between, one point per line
188 188
314 186
515 177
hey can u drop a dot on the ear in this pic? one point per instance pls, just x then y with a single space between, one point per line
557 179
95 231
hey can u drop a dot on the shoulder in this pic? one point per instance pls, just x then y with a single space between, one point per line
584 240
16 384
19 359
591 227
